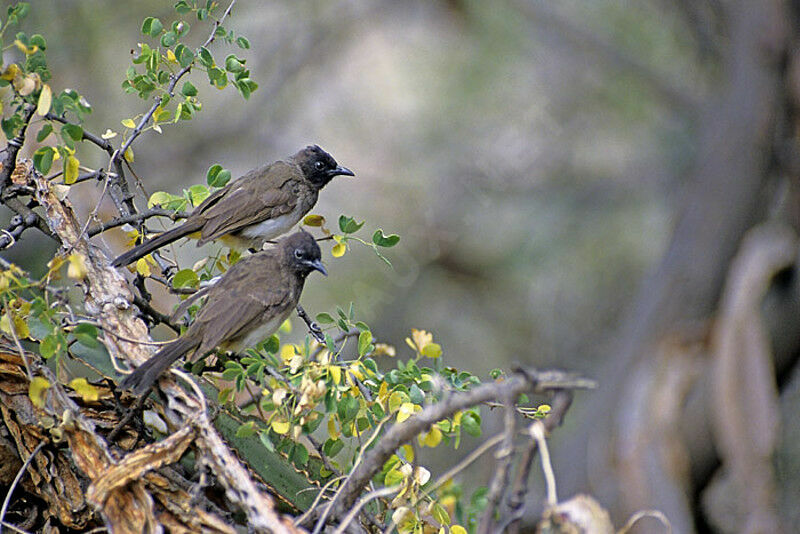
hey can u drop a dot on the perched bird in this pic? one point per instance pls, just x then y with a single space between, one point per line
249 303
261 205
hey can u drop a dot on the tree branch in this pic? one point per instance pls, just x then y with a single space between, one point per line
521 382
136 217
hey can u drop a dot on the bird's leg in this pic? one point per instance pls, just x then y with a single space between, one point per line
313 327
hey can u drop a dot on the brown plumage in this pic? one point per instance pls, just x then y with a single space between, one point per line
249 303
261 205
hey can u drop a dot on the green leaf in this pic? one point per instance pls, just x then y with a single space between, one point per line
86 334
264 437
169 39
43 159
385 241
74 131
182 6
38 40
243 43
246 430
185 278
471 424
299 454
198 194
222 178
348 225
46 130
416 395
364 342
233 64
332 447
49 346
152 26
185 55
324 318
205 57
189 89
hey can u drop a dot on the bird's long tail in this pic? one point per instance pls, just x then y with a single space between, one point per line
142 379
159 241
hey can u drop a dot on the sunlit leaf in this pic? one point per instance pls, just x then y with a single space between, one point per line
338 250
280 427
71 168
45 100
37 390
88 392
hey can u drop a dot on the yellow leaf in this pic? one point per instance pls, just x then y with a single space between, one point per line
396 400
37 390
333 432
432 350
382 349
383 392
338 250
355 368
45 99
431 438
314 220
142 267
421 338
10 72
83 388
407 409
280 427
457 529
77 267
336 374
128 123
128 155
110 134
408 452
71 170
286 327
27 50
171 57
287 352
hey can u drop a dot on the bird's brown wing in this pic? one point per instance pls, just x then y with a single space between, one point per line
250 293
233 317
258 196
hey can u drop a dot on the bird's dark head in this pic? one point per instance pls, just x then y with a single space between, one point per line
318 166
302 253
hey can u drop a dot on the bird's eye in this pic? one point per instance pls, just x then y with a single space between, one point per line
298 253
319 165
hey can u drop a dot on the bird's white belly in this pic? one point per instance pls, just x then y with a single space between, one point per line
272 228
261 332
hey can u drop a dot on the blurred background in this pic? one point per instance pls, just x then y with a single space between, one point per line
573 183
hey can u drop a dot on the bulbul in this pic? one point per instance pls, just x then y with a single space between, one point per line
261 205
249 303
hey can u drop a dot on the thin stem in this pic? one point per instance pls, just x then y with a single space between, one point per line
16 481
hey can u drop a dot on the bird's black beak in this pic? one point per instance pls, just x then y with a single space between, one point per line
317 266
340 171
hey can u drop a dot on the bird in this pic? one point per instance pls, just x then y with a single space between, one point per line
263 204
250 302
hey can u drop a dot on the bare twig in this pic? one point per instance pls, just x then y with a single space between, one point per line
17 478
9 160
562 399
136 217
313 327
504 455
377 494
